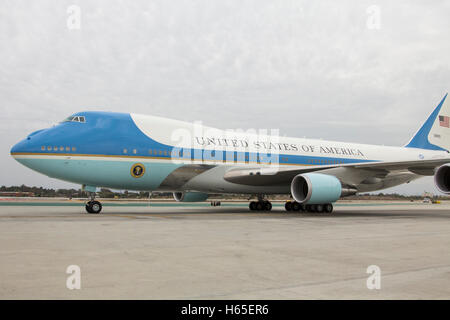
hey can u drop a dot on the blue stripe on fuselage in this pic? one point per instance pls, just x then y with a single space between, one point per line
109 134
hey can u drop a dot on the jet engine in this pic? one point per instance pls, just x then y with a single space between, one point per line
442 178
316 188
190 196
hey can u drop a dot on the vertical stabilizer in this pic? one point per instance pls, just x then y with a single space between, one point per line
434 134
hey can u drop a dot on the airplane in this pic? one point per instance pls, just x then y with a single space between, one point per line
129 151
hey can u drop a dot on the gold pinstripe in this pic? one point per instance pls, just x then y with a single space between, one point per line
143 157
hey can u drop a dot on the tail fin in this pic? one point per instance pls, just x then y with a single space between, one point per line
435 132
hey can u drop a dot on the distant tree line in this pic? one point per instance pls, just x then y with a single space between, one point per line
125 194
72 193
392 196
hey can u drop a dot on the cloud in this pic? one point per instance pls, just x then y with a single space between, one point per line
308 68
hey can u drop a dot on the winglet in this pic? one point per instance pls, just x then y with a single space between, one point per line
434 129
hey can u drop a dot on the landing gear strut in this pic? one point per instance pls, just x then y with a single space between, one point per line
319 208
260 205
93 206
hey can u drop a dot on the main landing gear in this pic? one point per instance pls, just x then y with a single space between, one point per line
93 206
260 205
319 208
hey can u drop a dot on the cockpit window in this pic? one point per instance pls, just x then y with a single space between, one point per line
68 119
75 119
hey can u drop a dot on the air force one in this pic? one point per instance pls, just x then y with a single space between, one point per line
140 152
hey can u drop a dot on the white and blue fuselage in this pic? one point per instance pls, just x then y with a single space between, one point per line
99 149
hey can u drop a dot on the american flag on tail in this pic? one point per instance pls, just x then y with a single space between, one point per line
444 121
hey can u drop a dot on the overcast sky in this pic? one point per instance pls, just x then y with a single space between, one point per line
357 71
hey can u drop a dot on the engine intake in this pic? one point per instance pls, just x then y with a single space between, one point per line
442 178
190 196
316 188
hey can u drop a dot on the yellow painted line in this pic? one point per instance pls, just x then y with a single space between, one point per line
122 216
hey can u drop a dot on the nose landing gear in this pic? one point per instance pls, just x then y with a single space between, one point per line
93 206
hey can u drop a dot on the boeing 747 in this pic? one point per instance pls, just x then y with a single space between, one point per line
142 152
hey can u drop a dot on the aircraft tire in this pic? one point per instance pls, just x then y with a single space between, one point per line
259 205
93 207
295 206
288 206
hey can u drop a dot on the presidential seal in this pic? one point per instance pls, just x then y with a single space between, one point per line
137 170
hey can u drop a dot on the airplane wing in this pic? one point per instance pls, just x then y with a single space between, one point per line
260 176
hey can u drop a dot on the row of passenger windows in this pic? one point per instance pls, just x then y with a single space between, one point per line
211 154
325 161
61 148
152 152
235 157
180 154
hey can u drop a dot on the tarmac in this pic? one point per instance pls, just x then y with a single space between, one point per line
177 251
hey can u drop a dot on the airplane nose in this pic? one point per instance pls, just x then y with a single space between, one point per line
13 149
33 143
24 145
18 147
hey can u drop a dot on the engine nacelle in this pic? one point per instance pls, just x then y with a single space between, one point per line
190 196
442 178
315 188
